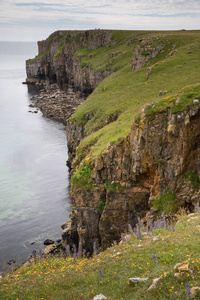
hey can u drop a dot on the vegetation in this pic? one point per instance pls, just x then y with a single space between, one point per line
193 177
82 177
101 206
174 70
155 255
40 56
165 203
113 186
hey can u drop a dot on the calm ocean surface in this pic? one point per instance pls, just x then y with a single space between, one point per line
34 180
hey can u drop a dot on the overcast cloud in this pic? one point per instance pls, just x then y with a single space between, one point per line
36 20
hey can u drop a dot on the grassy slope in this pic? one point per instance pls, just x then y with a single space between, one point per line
124 92
60 278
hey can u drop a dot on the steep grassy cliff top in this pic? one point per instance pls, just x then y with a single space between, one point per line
172 74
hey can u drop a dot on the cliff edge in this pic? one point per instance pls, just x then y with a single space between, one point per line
134 143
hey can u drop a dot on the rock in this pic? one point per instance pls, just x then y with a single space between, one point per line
196 101
49 249
48 242
100 297
154 283
182 267
194 291
156 238
162 92
69 234
11 262
177 275
66 224
58 241
144 53
137 280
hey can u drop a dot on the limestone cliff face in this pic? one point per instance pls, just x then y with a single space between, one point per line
57 63
126 177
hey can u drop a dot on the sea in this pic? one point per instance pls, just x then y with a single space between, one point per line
34 179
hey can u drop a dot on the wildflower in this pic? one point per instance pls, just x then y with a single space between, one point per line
34 254
155 259
67 250
40 252
130 229
101 274
188 290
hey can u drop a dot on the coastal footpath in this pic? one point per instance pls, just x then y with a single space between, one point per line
131 104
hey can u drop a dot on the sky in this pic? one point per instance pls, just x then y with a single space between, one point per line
27 20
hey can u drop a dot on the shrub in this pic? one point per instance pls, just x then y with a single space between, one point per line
82 177
165 203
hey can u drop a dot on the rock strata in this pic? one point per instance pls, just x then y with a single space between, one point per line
159 155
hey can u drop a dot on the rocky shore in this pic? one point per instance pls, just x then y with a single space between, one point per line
56 103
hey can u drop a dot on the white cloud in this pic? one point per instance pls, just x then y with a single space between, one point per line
50 15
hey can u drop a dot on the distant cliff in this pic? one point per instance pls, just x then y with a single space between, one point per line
134 143
57 62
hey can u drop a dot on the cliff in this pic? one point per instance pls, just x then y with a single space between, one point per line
57 62
133 144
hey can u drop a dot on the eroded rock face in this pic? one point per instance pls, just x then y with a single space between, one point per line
144 53
152 159
57 63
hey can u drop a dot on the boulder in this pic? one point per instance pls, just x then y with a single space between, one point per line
48 242
136 280
49 249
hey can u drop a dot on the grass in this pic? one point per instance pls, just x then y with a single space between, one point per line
124 92
193 178
82 177
165 203
70 278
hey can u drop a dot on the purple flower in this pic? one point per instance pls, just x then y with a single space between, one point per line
101 274
155 259
67 250
188 290
34 253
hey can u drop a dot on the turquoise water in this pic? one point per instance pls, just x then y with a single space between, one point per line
34 179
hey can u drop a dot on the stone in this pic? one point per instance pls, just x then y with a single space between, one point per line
100 297
50 249
67 224
177 275
58 241
11 262
156 238
162 92
196 101
182 267
194 291
137 280
154 283
48 242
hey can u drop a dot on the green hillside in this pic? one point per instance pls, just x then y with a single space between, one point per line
117 101
144 254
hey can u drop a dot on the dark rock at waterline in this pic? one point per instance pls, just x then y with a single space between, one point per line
58 241
48 242
32 243
12 261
